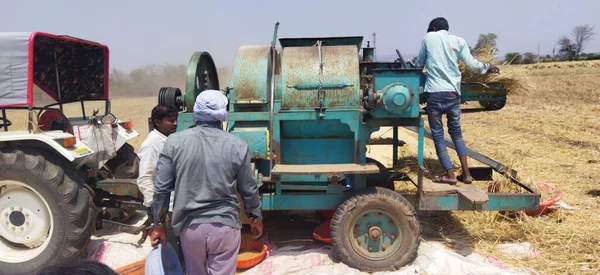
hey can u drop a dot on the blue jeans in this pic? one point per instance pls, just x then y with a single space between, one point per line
448 103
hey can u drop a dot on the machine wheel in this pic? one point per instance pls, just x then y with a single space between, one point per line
126 164
375 230
492 105
46 212
170 96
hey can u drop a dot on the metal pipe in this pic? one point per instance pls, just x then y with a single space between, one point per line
58 82
83 109
272 99
4 120
374 47
395 146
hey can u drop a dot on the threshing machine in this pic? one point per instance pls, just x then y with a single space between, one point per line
307 111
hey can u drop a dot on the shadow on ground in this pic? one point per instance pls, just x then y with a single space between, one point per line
295 228
594 192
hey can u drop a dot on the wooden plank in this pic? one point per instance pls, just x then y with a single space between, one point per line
469 192
316 169
475 196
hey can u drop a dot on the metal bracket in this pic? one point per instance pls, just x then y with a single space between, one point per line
321 91
321 100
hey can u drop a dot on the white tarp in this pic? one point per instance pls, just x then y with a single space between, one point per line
120 249
14 49
433 258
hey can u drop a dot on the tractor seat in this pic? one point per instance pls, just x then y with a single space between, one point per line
52 120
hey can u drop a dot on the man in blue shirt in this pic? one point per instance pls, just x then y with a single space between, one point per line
440 53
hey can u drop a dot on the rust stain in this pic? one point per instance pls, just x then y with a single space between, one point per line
301 66
253 70
277 153
356 152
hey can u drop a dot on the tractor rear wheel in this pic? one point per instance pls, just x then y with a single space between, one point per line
46 212
375 230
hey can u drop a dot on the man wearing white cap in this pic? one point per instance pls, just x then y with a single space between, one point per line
201 165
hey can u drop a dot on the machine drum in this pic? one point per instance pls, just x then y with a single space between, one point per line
376 230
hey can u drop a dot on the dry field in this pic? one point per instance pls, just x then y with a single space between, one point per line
551 133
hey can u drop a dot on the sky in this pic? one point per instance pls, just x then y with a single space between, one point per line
140 33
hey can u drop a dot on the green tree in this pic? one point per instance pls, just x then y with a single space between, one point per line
486 41
566 49
529 58
513 58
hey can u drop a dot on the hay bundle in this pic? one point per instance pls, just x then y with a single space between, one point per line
487 55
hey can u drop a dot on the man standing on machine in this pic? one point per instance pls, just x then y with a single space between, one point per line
202 165
440 53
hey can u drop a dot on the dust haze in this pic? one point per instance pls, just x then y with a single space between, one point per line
146 81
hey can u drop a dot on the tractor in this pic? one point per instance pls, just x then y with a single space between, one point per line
61 175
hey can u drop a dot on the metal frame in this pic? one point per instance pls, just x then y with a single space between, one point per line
5 125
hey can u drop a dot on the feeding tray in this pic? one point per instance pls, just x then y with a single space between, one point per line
251 253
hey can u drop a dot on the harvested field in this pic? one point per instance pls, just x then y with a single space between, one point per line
550 134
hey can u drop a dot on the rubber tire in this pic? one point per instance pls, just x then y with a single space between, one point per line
387 200
126 164
492 105
71 204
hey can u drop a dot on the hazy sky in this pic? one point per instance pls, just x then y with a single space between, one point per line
147 32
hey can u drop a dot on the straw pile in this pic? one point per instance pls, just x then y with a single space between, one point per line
249 254
487 54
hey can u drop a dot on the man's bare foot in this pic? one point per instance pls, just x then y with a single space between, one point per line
445 179
467 180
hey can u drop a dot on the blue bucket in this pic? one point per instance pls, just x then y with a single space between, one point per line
163 261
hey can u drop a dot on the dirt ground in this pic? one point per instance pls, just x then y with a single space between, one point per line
550 134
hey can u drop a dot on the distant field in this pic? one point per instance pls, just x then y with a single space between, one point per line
550 134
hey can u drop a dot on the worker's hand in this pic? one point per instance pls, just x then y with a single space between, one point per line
257 229
158 234
493 69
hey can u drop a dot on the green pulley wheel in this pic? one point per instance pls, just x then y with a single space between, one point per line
201 75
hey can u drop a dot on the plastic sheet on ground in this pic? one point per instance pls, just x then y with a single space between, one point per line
433 258
120 249
117 249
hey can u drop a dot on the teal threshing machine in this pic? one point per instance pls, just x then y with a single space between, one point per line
307 111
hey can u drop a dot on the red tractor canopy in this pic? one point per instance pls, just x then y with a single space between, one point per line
68 69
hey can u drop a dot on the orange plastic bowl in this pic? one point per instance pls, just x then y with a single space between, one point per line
251 246
322 232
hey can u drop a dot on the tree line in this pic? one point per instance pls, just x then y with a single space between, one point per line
566 49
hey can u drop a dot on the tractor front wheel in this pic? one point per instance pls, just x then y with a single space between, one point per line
46 212
375 230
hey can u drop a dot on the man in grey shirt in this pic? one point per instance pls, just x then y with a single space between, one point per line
201 165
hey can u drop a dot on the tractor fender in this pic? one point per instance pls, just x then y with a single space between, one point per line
48 140
123 135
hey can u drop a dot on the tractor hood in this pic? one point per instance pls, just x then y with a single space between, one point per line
68 69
